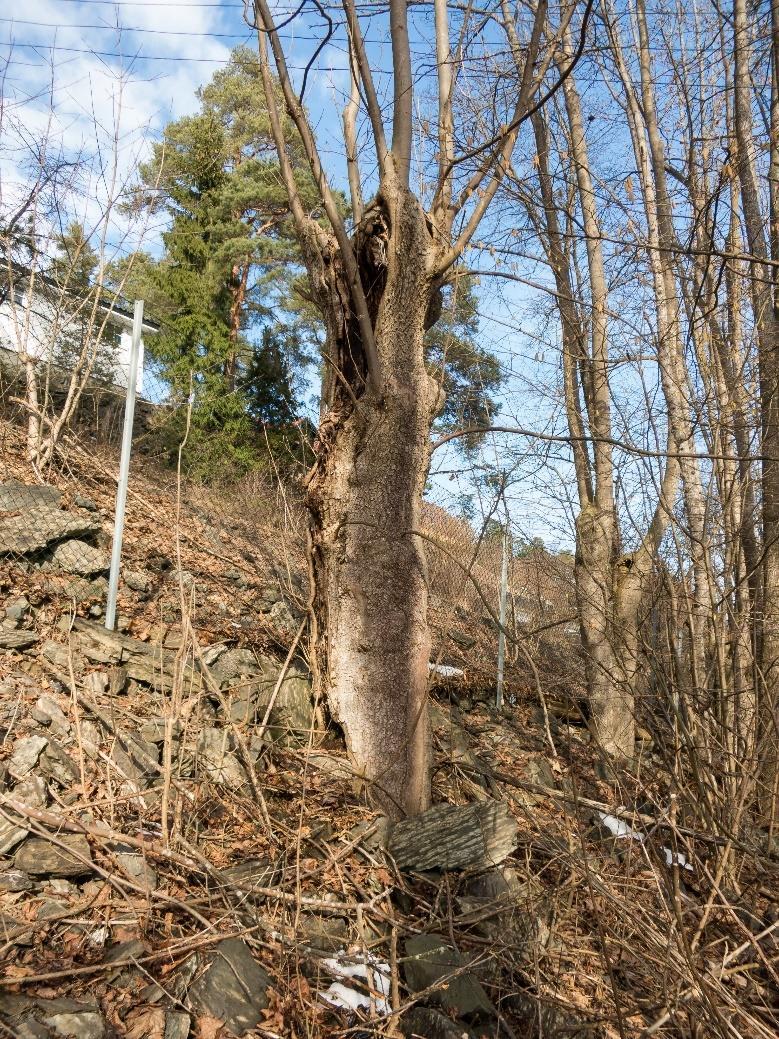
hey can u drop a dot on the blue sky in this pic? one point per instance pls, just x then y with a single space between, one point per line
101 79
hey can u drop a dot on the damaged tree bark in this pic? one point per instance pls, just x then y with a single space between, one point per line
378 288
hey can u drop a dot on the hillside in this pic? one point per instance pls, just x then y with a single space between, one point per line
184 849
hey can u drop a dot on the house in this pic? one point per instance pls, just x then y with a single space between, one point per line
40 320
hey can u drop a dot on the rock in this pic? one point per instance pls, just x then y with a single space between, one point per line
177 1025
17 610
40 526
79 558
217 760
56 764
78 1022
41 858
81 589
142 661
10 639
138 869
15 880
47 712
429 959
84 503
10 835
136 581
153 730
425 1023
40 1018
281 617
26 754
32 792
232 987
454 836
325 933
18 497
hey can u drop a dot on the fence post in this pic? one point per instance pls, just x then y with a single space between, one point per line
124 467
504 579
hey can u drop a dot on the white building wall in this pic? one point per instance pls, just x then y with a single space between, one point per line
33 329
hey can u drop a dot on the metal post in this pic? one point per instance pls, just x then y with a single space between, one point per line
504 580
124 467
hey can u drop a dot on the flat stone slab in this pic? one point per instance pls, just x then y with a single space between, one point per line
16 496
77 557
430 959
41 526
454 836
17 639
232 987
42 858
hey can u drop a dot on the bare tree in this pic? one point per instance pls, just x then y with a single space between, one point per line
378 287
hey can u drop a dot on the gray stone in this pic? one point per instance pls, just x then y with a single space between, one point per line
429 959
232 987
15 880
79 558
177 1025
10 835
281 617
31 791
16 611
56 764
80 1024
426 1023
39 527
10 639
324 933
40 858
137 581
84 503
454 836
81 589
26 755
16 496
138 869
251 874
217 760
153 730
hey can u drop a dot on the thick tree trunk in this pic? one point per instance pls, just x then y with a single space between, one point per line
372 640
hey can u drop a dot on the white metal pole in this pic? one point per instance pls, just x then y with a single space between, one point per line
504 580
124 467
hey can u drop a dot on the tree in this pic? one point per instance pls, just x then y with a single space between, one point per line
221 285
378 286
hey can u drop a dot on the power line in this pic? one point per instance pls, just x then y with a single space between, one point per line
247 34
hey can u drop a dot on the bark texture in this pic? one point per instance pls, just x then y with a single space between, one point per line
364 496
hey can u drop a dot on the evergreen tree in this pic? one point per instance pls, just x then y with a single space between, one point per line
220 287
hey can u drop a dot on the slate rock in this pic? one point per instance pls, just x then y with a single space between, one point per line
31 791
84 503
56 764
18 640
17 610
78 558
40 858
429 959
43 1018
138 869
26 754
454 836
426 1023
10 835
177 1025
232 986
136 581
217 760
41 526
16 496
15 880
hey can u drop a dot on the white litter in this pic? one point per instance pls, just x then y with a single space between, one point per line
620 828
679 859
373 972
446 670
